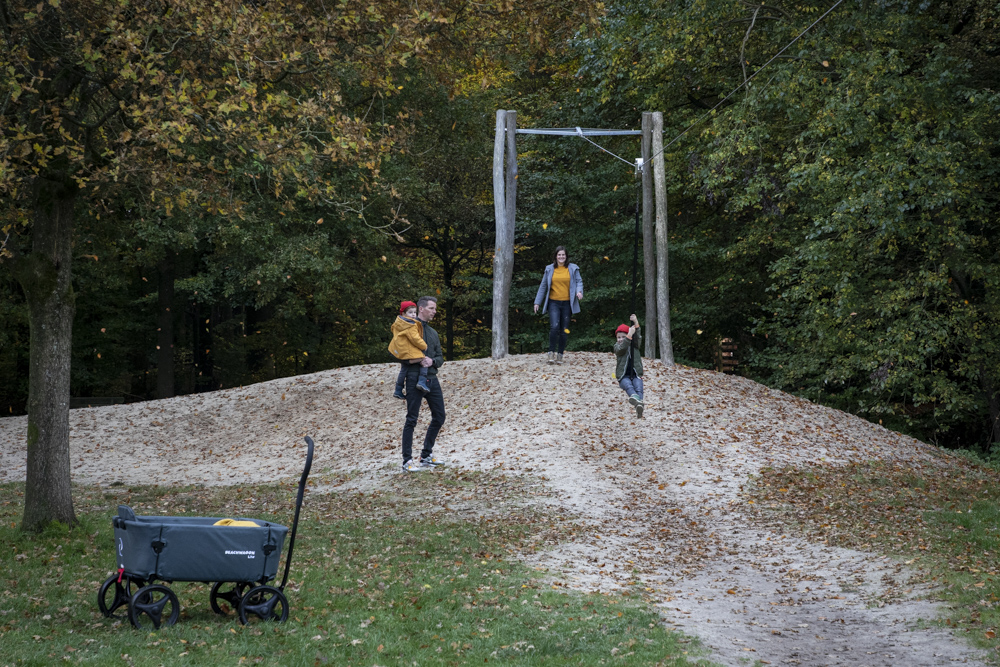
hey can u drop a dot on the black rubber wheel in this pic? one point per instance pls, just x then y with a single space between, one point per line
263 603
153 606
114 594
232 595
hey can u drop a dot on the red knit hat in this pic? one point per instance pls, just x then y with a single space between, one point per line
406 304
622 328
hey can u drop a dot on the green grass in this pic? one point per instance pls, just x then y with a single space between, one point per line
944 522
388 578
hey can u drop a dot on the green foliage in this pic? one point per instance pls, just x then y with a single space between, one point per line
837 216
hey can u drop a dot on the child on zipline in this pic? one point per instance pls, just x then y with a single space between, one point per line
408 343
628 371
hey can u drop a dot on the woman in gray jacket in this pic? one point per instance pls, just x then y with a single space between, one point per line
560 294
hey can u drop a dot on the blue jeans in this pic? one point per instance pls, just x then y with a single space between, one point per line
405 366
559 314
631 385
435 401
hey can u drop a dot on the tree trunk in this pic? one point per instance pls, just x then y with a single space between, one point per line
447 275
449 327
993 403
648 240
662 284
165 332
503 253
46 278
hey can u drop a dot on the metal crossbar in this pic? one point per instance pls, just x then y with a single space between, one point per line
577 131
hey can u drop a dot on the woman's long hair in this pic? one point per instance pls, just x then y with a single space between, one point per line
555 256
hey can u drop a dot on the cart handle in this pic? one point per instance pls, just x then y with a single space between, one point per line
298 506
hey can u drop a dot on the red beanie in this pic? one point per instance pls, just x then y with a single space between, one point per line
622 328
406 304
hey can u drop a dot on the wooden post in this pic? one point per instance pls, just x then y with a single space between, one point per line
648 241
503 253
510 187
662 265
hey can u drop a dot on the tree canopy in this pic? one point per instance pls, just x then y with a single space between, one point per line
197 196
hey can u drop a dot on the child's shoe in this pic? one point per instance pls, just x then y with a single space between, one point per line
431 462
422 386
552 358
399 394
634 399
638 411
559 358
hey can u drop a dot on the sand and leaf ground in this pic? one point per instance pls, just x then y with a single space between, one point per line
774 530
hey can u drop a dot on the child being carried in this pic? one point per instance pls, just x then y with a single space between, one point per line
408 343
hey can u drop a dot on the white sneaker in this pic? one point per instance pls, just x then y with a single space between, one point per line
431 462
413 465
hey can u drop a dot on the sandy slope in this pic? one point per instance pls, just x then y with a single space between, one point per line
657 500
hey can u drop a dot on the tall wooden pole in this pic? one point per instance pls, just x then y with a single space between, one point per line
510 186
662 265
503 254
648 241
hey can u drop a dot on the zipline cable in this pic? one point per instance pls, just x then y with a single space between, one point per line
579 133
747 80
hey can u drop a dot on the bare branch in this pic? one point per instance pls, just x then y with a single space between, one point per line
743 63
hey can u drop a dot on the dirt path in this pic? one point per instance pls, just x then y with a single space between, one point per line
657 502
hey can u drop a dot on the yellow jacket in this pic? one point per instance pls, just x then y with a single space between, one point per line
407 339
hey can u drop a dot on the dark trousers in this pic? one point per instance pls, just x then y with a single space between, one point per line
403 367
435 401
559 314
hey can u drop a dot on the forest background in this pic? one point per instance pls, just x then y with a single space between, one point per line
837 217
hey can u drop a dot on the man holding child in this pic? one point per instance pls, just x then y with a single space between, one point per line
432 360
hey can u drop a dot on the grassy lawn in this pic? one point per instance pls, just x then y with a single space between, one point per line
941 521
423 572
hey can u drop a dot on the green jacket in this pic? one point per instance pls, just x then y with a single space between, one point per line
621 351
433 351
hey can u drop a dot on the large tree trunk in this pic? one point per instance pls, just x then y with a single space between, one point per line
993 404
448 275
165 332
45 276
648 239
662 266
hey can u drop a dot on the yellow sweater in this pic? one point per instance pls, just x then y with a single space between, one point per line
560 284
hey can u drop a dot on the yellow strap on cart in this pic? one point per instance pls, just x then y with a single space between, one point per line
236 522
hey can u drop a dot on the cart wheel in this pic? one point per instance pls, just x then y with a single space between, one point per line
232 596
153 605
114 594
265 603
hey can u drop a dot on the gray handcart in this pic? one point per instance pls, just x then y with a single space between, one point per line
240 559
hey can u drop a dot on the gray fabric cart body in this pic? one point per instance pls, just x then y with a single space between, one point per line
241 560
176 548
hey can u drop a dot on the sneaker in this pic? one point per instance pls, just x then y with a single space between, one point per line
634 399
559 358
399 394
431 462
552 358
422 386
638 411
413 466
